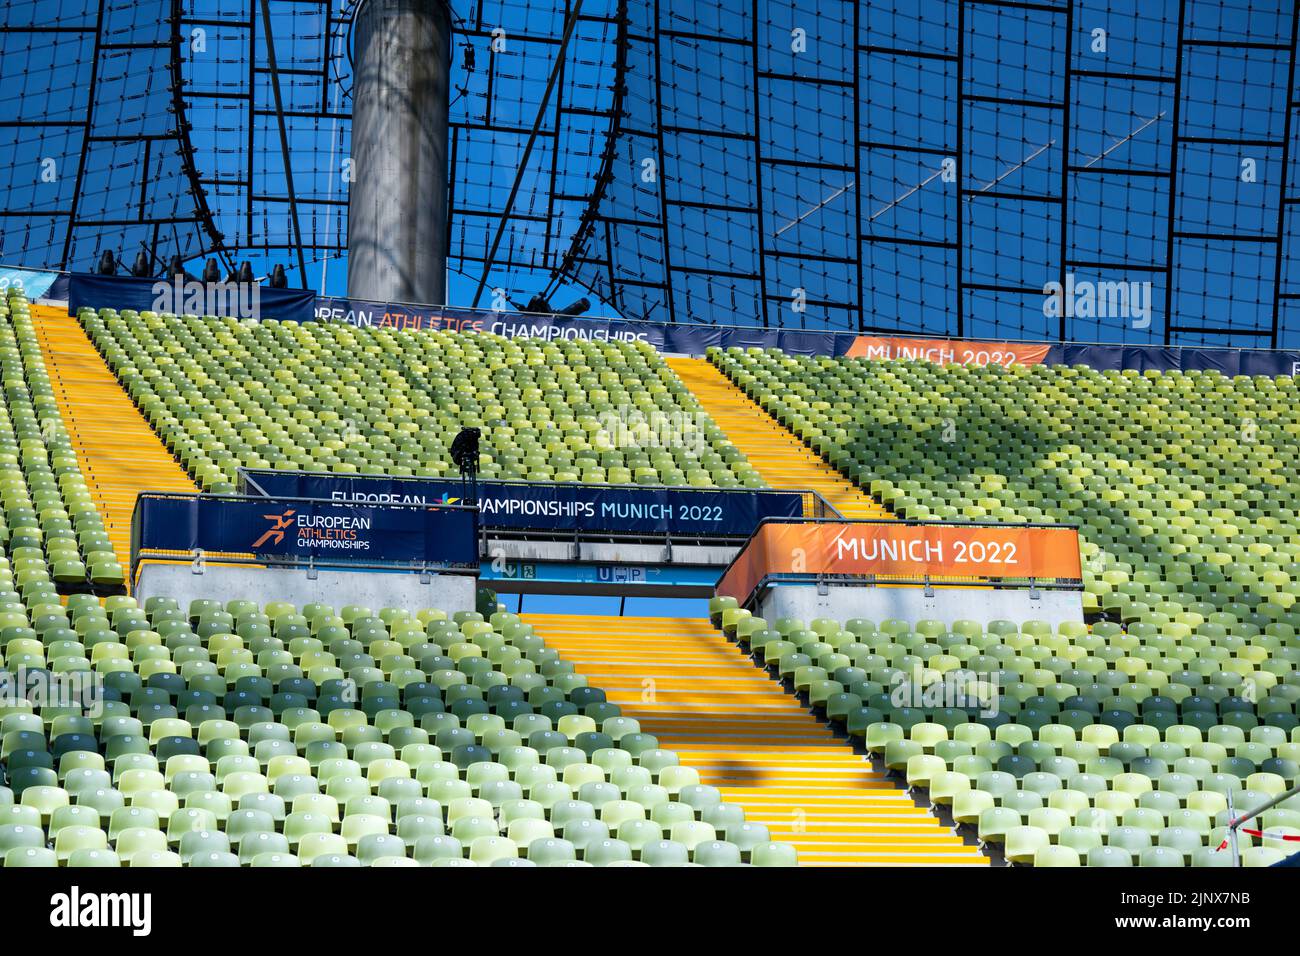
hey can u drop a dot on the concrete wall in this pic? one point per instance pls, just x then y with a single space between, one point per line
626 553
910 604
397 205
373 589
514 549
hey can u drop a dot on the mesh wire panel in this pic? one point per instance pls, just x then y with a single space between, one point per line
1108 170
506 52
1116 171
270 202
156 126
91 156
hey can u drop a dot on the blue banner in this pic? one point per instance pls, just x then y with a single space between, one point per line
671 337
539 506
300 305
695 339
31 283
241 300
282 527
58 290
1167 358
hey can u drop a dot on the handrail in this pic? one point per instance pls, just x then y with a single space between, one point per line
1235 823
934 580
244 472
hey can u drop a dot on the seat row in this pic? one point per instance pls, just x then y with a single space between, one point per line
224 393
1107 773
1182 483
318 736
55 537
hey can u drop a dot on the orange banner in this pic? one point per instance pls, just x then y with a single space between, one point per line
903 550
948 351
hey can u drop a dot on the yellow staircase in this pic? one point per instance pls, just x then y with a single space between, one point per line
781 458
118 452
703 698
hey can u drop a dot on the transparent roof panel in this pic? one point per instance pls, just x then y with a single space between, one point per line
946 167
886 165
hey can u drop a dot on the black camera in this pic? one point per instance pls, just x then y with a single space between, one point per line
464 449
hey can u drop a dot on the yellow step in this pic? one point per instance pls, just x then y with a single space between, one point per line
119 454
778 455
703 698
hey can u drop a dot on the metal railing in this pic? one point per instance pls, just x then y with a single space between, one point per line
932 581
1236 822
814 505
490 540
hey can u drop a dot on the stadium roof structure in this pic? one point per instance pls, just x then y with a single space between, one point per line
879 166
931 167
174 127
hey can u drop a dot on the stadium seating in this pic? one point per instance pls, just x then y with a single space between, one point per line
1114 744
55 538
1045 740
320 396
1182 483
274 735
269 735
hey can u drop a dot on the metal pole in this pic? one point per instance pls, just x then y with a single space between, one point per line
334 172
1171 211
1236 821
397 203
1270 805
1233 823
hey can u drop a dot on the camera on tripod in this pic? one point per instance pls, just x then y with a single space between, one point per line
464 453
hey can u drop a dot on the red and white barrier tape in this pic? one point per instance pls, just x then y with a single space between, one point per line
1291 837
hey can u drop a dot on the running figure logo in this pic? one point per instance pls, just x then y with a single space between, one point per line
275 533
